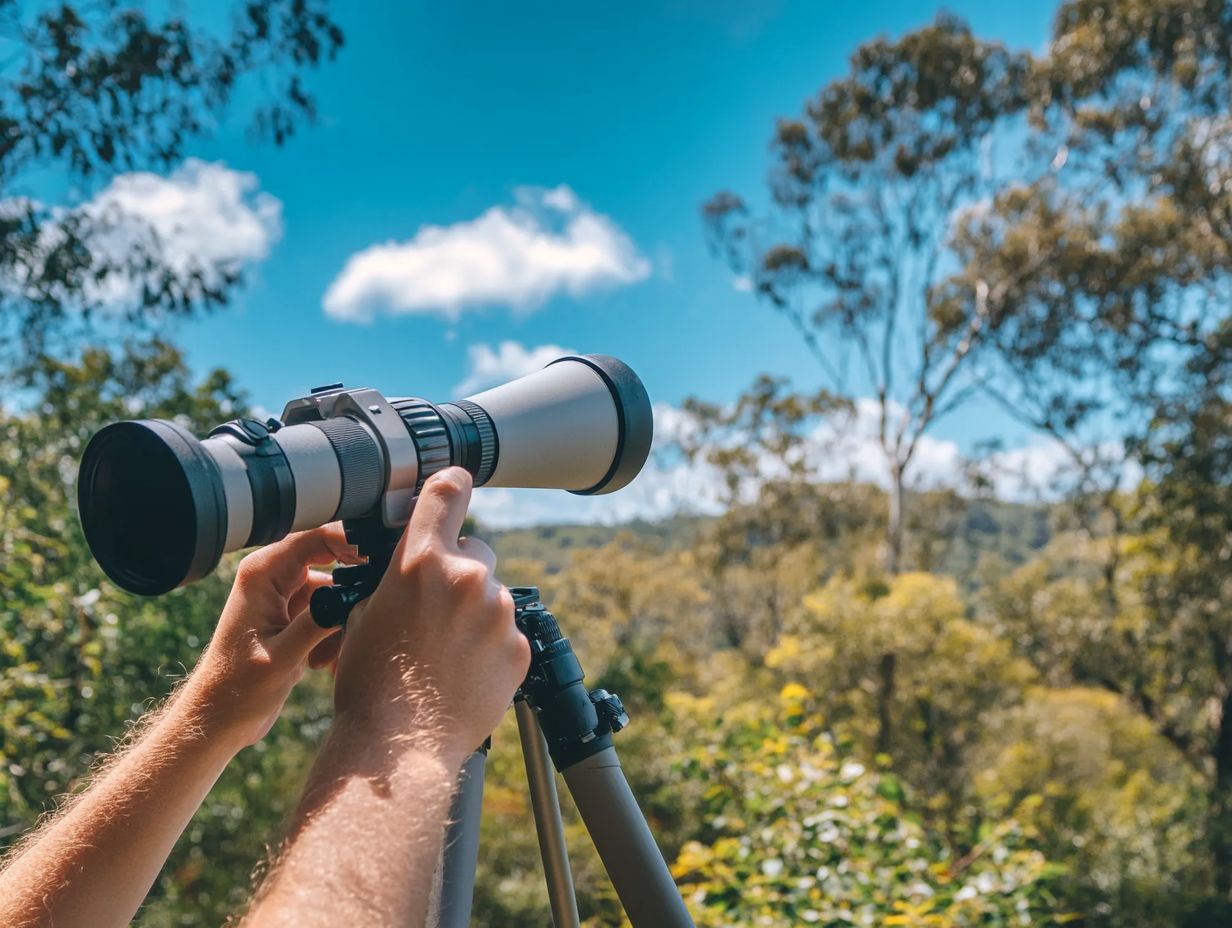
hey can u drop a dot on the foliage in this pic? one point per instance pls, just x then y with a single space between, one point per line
1151 643
98 88
1108 798
798 831
910 675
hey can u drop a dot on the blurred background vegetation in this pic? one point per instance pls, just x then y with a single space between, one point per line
852 704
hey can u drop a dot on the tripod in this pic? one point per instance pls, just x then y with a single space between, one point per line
560 725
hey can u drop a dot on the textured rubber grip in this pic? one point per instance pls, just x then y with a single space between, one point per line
359 460
430 434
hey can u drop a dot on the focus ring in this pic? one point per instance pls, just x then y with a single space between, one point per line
359 462
429 433
487 440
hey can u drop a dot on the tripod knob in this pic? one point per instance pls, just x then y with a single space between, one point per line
610 709
331 605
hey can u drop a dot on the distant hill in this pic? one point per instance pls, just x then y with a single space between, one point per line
552 544
1015 532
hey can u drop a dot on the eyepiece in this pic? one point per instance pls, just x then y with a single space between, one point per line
152 505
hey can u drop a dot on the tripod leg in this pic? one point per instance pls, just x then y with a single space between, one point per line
628 850
546 806
455 889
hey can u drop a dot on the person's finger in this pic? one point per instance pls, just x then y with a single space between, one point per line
326 652
478 550
284 562
441 508
301 597
297 641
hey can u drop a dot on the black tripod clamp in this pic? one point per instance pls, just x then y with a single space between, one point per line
330 605
575 722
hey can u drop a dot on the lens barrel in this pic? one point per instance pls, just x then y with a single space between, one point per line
159 507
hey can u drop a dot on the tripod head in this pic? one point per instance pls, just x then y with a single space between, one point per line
575 722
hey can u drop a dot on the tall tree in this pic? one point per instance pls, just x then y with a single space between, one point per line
1111 265
864 192
92 89
1190 598
1067 283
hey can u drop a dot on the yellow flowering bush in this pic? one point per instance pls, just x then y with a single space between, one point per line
797 832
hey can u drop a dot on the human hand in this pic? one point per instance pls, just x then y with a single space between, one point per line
266 635
433 654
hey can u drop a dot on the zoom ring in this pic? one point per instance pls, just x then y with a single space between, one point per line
431 438
487 440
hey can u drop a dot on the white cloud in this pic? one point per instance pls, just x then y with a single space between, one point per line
508 361
548 243
204 217
1046 470
561 198
742 283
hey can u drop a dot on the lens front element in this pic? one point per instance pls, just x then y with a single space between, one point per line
151 505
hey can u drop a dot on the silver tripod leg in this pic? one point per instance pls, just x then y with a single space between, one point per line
455 874
546 806
633 861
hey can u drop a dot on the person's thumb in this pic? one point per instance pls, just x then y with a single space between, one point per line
295 642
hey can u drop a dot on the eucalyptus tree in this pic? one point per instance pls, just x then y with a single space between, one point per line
1111 265
856 241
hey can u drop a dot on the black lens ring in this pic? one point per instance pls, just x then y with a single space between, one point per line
472 437
204 484
634 421
273 490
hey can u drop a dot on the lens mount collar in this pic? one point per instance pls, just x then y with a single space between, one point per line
399 458
269 478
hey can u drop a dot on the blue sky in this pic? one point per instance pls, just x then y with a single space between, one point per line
436 113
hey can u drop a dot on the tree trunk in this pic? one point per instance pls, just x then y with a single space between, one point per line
894 525
1221 817
885 703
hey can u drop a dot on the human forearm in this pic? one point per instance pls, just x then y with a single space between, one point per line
429 664
93 863
368 834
